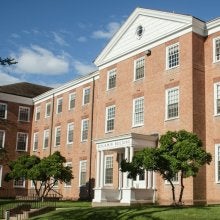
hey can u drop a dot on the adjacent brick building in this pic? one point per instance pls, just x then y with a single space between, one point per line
159 72
16 111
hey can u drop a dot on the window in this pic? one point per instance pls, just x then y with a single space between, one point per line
2 139
172 56
138 111
70 128
84 129
46 139
57 136
24 113
48 110
111 83
216 49
82 173
139 68
86 95
1 168
217 163
110 118
37 113
19 183
217 98
68 184
3 110
35 144
59 105
172 103
108 169
72 101
175 179
22 141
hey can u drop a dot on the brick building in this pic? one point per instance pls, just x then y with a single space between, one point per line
159 72
16 111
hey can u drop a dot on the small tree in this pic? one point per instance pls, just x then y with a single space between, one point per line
179 152
43 172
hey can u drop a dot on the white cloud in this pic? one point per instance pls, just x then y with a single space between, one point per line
7 79
37 60
82 39
83 68
58 39
14 35
109 31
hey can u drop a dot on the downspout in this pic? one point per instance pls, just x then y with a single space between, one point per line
91 139
51 128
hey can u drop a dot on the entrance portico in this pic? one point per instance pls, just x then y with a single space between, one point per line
127 191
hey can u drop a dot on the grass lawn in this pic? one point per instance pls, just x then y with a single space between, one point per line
138 213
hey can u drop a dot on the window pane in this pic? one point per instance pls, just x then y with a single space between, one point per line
19 182
2 139
218 99
59 105
46 138
85 127
111 79
58 133
109 170
72 101
48 109
70 133
110 123
173 56
37 117
35 147
139 111
139 68
173 103
22 141
82 173
24 113
217 49
3 109
86 96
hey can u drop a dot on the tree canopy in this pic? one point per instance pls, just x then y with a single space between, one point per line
44 172
180 152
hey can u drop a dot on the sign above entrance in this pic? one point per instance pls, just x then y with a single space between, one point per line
114 144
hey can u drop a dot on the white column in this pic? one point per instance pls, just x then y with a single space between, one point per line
102 170
119 172
149 179
125 174
154 180
98 169
131 157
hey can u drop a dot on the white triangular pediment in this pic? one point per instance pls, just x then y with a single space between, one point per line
157 25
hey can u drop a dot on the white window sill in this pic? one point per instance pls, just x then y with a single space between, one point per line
216 61
137 126
67 186
21 150
19 187
84 141
216 115
171 68
171 119
138 80
174 183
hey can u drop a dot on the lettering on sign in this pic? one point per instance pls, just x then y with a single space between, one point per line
114 144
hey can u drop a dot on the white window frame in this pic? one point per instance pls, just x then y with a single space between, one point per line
215 98
31 184
19 186
80 170
166 103
217 158
135 65
3 139
174 182
68 164
68 129
82 129
108 156
1 171
113 72
6 109
72 96
36 134
24 107
134 113
37 110
108 119
215 60
46 106
167 56
84 91
45 132
26 141
55 138
58 100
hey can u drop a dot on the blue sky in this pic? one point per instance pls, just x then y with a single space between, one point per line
55 41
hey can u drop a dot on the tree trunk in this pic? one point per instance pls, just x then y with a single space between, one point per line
182 188
173 191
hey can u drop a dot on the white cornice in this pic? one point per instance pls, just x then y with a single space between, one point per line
213 26
66 87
